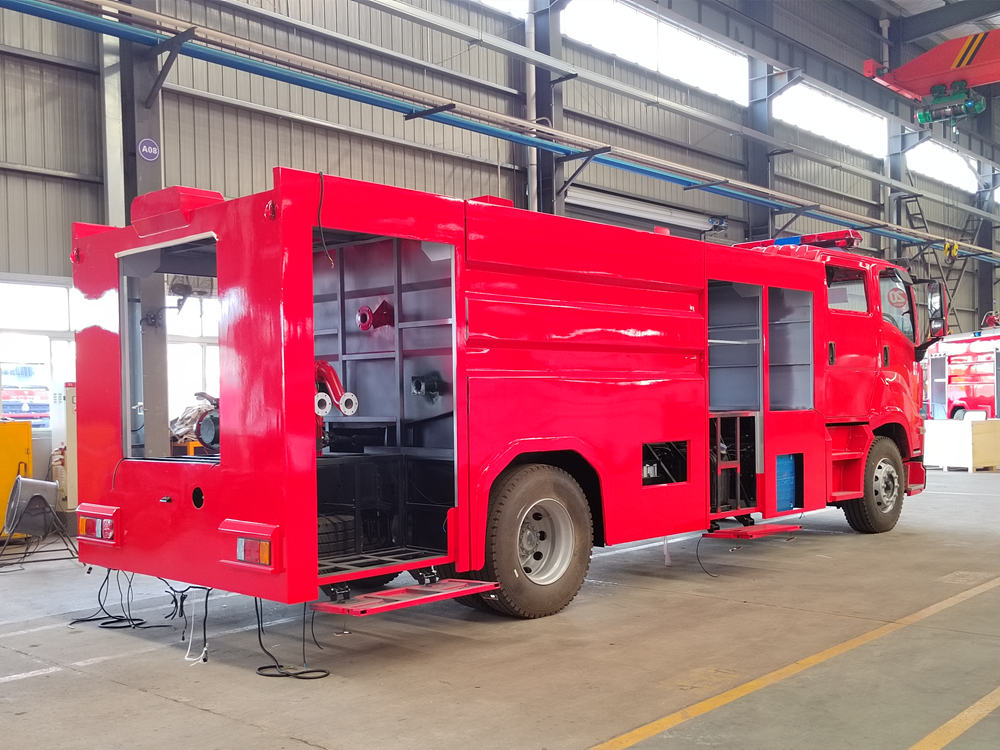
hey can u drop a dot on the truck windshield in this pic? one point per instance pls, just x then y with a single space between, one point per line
896 308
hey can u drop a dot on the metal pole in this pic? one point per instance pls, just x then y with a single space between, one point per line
531 114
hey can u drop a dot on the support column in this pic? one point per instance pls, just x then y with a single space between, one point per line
142 165
142 128
548 102
758 158
989 180
985 273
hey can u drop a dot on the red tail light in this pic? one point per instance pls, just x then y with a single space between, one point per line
96 528
257 551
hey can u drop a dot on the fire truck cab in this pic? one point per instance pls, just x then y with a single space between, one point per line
462 388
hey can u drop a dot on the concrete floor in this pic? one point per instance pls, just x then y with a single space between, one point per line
640 642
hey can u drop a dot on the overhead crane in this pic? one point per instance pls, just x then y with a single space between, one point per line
944 78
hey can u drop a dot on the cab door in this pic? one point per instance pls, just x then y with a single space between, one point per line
898 371
852 341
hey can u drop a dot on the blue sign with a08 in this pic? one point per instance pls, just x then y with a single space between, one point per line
148 149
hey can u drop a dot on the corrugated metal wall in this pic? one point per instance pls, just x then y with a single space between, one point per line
224 130
50 142
622 121
834 28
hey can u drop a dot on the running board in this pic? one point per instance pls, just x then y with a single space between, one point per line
407 596
752 532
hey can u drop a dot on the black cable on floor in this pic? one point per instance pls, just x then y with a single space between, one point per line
278 669
101 613
697 554
108 620
312 630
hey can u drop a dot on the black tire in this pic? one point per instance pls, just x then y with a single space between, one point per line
958 414
885 484
363 585
539 560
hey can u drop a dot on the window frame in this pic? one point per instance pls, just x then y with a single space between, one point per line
869 308
124 320
894 274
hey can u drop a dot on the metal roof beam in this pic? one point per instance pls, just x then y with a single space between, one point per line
520 52
932 21
624 159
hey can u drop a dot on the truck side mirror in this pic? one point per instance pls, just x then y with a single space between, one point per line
937 309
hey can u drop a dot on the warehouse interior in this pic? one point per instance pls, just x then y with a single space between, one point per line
795 129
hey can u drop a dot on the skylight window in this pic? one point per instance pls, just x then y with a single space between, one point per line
940 163
638 37
836 120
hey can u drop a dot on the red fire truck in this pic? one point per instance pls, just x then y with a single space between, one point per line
962 374
467 390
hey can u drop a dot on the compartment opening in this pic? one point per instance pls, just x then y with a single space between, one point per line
170 350
735 396
383 312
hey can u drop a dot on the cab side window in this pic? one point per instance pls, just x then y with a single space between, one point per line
846 289
895 298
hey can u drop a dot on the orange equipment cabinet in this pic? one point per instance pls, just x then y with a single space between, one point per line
15 458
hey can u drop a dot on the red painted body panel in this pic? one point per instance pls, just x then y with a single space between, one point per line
570 337
970 371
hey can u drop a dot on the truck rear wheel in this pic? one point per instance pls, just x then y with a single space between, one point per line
879 509
538 539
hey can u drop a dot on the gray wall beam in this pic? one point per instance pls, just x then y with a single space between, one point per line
653 136
279 19
315 122
40 57
931 21
45 172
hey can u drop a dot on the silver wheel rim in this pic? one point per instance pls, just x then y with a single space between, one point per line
885 484
545 541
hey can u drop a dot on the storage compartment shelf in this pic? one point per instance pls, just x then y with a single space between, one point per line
385 477
332 565
733 463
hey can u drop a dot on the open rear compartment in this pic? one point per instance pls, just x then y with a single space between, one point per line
386 477
735 396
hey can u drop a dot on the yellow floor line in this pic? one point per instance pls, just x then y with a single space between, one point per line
961 723
710 704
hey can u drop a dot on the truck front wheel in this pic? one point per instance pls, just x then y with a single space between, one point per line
538 540
879 509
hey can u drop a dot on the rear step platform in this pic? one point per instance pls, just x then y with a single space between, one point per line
752 532
407 596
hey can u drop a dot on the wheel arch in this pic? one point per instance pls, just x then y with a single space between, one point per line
897 433
578 467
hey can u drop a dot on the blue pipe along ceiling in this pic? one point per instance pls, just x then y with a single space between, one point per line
147 37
